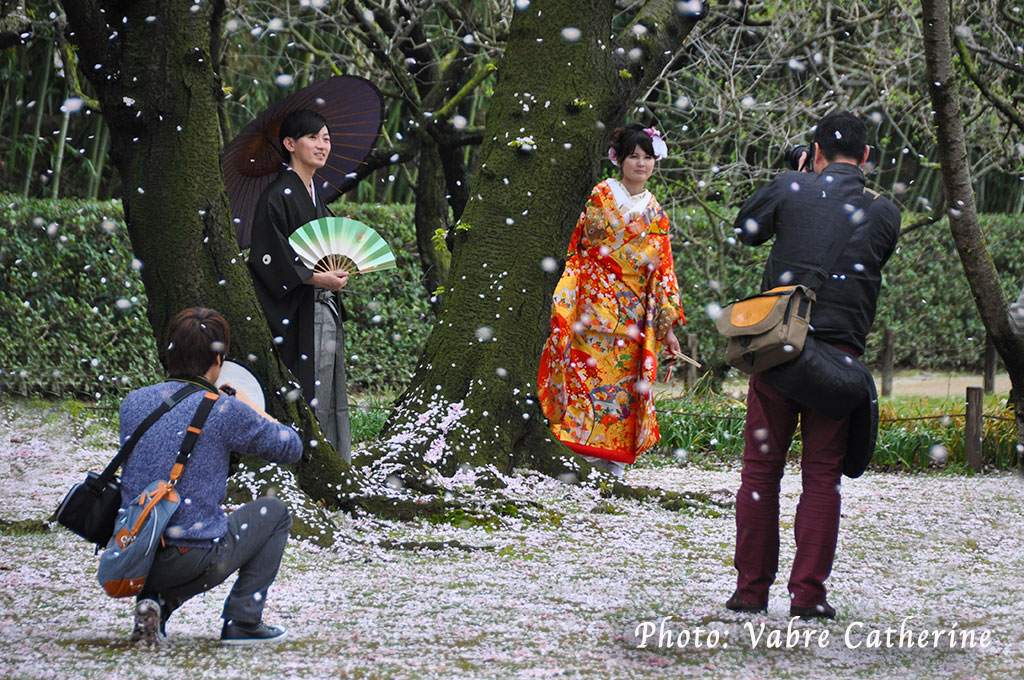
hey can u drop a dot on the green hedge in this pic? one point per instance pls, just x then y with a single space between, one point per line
927 301
74 322
73 307
390 311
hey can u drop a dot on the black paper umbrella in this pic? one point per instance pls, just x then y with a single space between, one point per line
354 111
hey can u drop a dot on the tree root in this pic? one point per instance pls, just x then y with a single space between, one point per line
432 545
670 500
476 511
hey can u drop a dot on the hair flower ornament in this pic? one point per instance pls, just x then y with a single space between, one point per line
657 144
660 148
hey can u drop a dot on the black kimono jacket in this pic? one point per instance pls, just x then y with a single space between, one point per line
279 275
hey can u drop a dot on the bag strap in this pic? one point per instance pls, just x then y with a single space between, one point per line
192 434
818 277
129 444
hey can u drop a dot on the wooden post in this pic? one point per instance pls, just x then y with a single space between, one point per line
888 352
972 429
691 351
990 365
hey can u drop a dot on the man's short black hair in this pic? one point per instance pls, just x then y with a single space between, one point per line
195 338
841 134
299 124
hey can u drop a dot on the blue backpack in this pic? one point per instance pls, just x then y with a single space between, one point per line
139 529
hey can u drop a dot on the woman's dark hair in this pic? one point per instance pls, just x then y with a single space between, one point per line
625 139
841 134
299 124
195 338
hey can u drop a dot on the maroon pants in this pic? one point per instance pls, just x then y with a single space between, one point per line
768 432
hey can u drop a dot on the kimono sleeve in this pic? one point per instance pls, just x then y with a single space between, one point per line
666 287
271 257
593 214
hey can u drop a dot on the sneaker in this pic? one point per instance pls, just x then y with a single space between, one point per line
235 633
148 627
818 611
737 604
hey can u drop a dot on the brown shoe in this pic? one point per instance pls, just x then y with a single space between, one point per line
818 611
738 604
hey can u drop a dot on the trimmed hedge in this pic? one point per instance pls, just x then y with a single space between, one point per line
389 311
927 301
74 320
73 306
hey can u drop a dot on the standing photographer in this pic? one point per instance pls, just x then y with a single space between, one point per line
806 211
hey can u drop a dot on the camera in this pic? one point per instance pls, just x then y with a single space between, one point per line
792 158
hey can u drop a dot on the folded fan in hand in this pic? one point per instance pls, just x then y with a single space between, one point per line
341 243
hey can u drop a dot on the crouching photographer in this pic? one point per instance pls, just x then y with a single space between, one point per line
833 235
203 546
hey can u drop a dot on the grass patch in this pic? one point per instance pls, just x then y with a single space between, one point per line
366 418
935 440
24 527
713 438
915 434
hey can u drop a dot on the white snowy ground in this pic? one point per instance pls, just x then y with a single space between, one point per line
559 595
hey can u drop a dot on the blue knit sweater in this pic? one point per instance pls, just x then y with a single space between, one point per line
231 426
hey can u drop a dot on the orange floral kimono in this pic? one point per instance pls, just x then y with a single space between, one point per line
616 300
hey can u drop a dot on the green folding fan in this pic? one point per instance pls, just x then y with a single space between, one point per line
341 243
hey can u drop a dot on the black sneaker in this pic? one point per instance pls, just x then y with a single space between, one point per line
235 633
148 627
738 604
818 611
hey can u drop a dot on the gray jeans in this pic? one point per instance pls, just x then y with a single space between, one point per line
331 393
253 546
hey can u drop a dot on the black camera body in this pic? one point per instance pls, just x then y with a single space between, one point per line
792 158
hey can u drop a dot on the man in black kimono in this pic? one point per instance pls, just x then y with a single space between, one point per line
301 306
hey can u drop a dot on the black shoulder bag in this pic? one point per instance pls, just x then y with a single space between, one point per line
90 508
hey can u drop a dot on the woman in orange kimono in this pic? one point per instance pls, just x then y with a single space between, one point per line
612 310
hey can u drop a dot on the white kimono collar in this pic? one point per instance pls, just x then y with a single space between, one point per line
626 203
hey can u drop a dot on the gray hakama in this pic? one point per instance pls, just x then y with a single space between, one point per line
331 395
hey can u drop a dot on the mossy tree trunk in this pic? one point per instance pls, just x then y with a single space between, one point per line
150 64
431 84
960 206
471 407
431 214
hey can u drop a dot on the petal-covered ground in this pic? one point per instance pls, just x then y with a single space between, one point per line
563 591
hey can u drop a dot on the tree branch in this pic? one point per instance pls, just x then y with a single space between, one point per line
71 72
937 213
1004 105
481 74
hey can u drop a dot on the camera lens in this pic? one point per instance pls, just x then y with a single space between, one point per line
793 156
